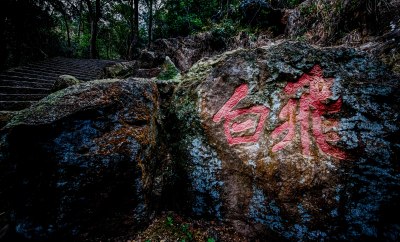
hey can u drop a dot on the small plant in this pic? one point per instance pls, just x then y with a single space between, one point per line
293 3
308 10
210 240
186 231
169 221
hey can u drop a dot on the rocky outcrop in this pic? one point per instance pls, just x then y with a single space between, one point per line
387 48
292 142
341 22
79 164
121 70
5 117
185 51
64 81
287 142
147 66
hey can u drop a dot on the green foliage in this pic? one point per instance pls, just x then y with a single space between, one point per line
168 72
169 221
293 3
308 10
27 33
222 32
183 17
186 231
210 240
178 18
182 231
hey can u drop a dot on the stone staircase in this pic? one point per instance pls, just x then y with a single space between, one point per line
22 86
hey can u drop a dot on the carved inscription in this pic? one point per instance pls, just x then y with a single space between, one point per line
237 122
308 113
246 125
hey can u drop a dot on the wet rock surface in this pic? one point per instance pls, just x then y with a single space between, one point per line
78 163
292 141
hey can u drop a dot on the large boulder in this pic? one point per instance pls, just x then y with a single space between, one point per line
78 164
121 69
185 51
292 142
64 81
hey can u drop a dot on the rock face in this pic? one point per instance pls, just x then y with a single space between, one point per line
184 52
286 143
145 67
120 70
292 142
78 163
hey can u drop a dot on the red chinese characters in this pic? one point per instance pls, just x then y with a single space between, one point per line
308 112
246 125
250 129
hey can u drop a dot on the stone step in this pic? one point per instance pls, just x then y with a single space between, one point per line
78 70
49 75
54 73
24 85
14 83
23 90
45 76
21 97
25 78
66 63
14 105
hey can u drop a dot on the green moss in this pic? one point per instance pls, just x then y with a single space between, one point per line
50 107
169 71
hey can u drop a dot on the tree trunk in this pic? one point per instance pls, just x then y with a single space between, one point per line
224 8
137 18
93 39
132 30
131 18
150 22
227 8
94 19
108 45
3 48
67 29
135 30
80 20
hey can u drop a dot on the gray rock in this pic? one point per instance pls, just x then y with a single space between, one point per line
121 69
78 164
64 81
292 141
5 117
